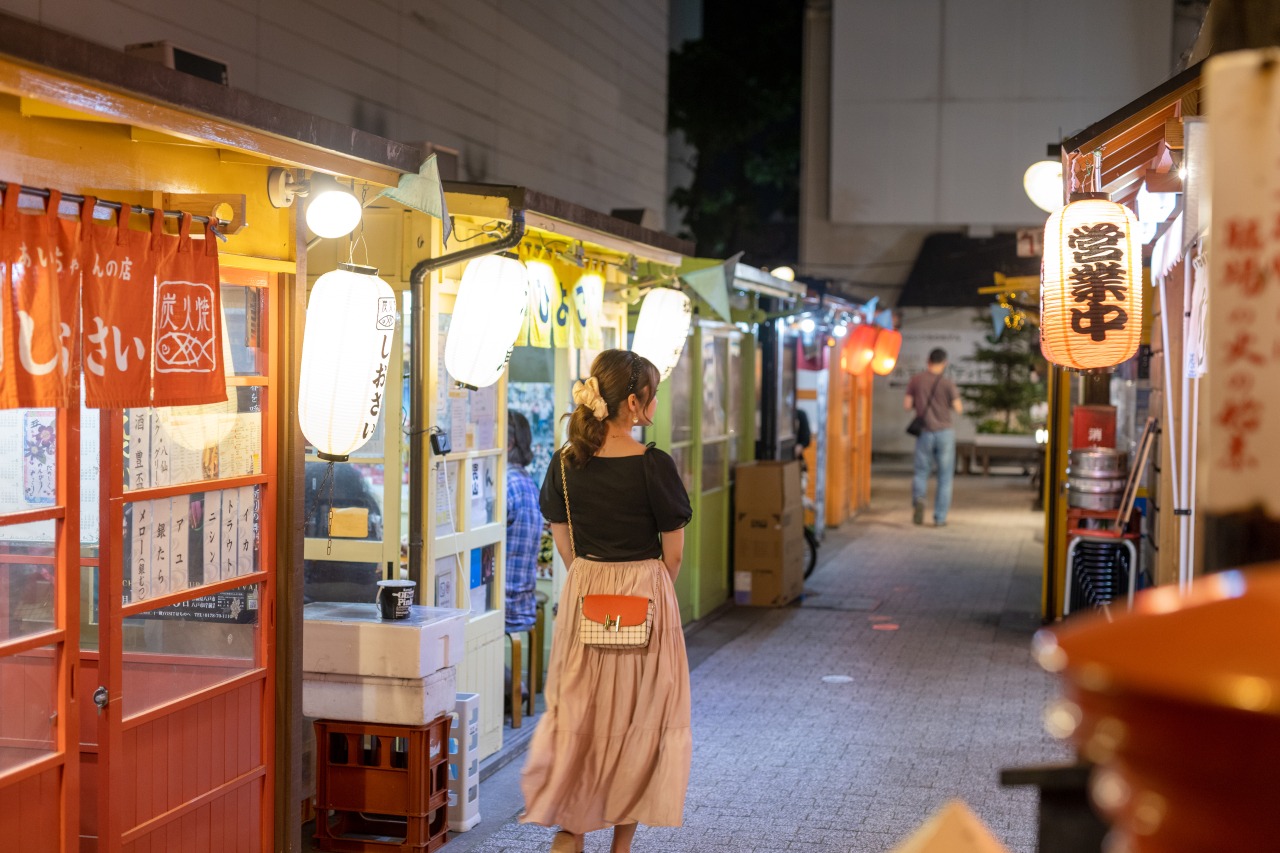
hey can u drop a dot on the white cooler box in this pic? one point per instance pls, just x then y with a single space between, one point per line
464 763
371 699
350 638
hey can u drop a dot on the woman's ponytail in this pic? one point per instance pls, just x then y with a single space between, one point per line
615 375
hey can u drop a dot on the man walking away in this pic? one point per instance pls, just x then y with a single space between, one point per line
933 397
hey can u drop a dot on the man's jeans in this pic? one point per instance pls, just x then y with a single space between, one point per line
935 448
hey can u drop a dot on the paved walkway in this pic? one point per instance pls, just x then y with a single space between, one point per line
928 632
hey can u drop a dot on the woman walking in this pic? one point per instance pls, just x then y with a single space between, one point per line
614 747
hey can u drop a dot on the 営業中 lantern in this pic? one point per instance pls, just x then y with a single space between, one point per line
346 344
492 299
860 347
1091 285
888 345
662 327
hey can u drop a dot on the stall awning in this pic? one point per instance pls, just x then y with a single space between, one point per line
1135 143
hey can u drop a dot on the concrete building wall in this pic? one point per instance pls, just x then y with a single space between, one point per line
922 115
567 98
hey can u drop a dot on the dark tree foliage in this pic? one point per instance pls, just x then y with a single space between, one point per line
1003 404
735 94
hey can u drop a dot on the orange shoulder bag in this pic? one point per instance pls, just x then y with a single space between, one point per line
612 621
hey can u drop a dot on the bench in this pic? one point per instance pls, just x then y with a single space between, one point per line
1021 449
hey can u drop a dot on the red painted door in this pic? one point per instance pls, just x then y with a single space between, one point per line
177 744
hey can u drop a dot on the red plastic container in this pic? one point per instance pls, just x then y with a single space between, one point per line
381 787
1093 426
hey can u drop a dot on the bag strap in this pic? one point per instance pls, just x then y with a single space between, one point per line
932 391
564 485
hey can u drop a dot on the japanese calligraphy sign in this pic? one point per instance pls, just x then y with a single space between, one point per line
189 367
31 346
588 305
1091 285
1239 468
562 311
117 305
542 288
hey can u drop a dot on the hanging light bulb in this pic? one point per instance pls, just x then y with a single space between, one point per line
888 345
840 330
493 297
346 344
1091 285
332 209
807 325
862 347
662 328
784 273
1042 183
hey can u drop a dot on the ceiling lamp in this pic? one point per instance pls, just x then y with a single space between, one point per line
1043 184
662 328
346 344
888 345
1091 285
487 315
332 209
861 347
784 273
840 330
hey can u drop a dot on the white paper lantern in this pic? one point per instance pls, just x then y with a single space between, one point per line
1042 183
663 328
492 299
351 320
1091 285
199 427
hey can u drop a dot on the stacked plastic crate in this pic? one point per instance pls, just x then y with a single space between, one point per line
383 692
464 763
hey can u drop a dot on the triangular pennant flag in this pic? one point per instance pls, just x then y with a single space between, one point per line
952 829
710 279
425 192
884 319
998 314
869 309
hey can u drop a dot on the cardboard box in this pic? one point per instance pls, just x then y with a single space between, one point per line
766 487
769 554
771 585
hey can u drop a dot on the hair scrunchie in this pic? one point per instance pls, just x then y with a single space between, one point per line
588 394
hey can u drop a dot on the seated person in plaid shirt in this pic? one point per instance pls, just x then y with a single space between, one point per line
524 526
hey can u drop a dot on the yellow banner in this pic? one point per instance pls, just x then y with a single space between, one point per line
542 290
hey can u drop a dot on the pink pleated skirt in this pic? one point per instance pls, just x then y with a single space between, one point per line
614 746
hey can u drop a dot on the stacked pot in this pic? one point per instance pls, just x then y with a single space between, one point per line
1096 478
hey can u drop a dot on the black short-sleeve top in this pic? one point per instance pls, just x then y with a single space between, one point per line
620 504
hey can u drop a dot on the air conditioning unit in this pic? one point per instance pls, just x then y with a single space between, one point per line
180 59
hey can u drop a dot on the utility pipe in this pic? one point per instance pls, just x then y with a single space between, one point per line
419 445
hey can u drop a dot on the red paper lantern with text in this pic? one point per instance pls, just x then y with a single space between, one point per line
888 345
1091 285
860 347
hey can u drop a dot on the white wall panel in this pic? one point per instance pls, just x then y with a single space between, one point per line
884 159
938 106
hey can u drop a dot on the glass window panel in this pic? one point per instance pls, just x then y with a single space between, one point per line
187 541
244 310
683 457
713 409
174 445
714 474
734 382
28 459
184 648
481 488
355 485
536 401
469 417
340 580
90 479
28 579
28 706
681 390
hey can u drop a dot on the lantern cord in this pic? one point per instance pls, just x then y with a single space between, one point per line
328 480
75 198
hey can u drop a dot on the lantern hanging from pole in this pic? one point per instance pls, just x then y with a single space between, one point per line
861 347
487 315
346 344
662 328
1091 285
888 345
